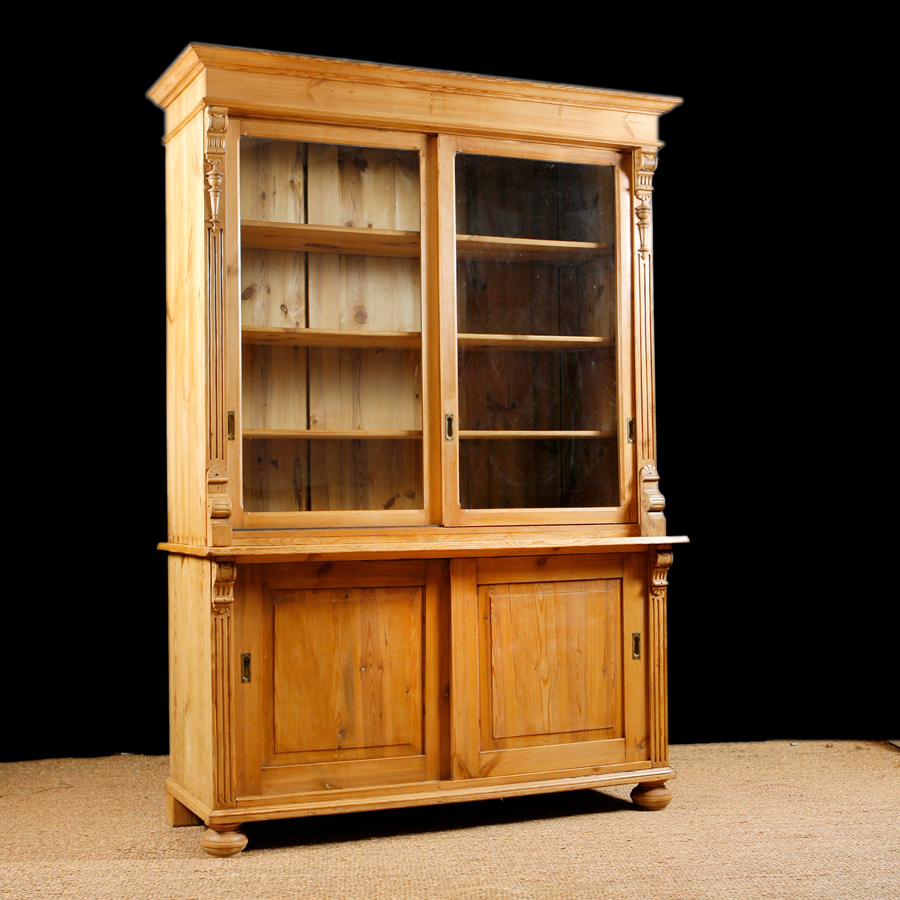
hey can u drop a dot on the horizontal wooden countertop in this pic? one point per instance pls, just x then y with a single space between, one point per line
418 543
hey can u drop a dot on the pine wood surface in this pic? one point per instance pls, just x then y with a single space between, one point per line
426 543
338 91
417 547
330 239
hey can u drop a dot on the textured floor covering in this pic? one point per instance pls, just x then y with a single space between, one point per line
813 820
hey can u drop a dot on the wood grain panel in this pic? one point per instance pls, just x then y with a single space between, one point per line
365 474
276 475
273 180
366 390
553 651
274 387
364 293
363 187
348 669
273 288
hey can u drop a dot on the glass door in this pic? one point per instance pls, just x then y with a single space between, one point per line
541 379
331 333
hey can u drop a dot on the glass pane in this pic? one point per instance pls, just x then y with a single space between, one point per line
536 321
295 475
331 327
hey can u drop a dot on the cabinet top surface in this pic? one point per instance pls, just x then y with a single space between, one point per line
220 65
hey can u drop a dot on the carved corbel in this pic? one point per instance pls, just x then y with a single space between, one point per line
218 504
659 575
224 574
653 522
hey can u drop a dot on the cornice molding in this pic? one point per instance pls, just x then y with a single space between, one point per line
197 57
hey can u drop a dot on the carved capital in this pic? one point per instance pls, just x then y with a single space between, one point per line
225 572
216 127
645 162
653 522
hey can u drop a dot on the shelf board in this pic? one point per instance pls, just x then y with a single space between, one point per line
329 239
307 434
532 435
426 542
531 342
331 337
529 250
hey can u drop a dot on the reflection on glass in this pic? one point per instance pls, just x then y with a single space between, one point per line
536 321
294 475
331 327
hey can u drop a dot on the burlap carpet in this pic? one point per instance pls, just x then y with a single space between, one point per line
815 819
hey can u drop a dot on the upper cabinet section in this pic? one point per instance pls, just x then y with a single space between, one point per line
404 297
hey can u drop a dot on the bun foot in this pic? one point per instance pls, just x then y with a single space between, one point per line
223 840
651 795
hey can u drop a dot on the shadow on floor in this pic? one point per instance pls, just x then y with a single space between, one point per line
346 827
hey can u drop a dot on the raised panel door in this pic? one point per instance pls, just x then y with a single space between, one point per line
342 663
547 643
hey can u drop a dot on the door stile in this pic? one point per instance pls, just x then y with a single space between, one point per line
432 387
446 214
466 677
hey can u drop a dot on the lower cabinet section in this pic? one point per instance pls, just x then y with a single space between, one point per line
369 684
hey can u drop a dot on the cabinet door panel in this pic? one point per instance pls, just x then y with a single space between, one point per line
342 660
348 670
547 638
553 652
332 377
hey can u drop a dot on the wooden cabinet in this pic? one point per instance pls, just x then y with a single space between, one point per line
417 550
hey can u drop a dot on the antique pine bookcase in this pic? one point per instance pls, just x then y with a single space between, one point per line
416 547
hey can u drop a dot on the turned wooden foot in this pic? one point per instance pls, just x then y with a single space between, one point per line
651 795
223 840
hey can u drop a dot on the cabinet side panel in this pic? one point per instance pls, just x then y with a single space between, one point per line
186 373
190 693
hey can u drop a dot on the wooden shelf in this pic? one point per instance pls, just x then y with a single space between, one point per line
423 543
531 342
528 250
307 434
533 435
331 337
329 239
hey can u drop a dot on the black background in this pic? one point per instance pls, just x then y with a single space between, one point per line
782 609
